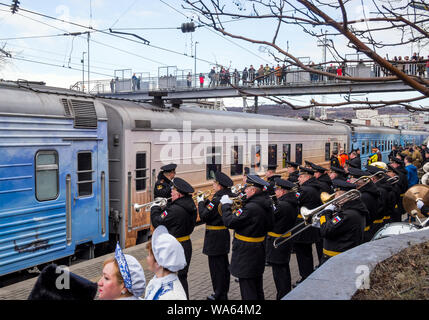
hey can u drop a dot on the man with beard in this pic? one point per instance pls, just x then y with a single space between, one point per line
342 224
292 169
323 178
309 197
251 224
217 238
179 217
370 197
285 214
163 183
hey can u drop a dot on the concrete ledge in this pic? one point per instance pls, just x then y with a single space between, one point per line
339 277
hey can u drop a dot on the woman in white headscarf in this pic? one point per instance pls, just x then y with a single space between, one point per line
166 257
123 278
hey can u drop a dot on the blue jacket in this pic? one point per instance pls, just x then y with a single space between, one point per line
412 175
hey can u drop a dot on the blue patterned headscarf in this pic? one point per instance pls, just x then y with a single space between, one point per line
123 267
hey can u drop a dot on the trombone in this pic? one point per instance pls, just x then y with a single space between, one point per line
315 215
158 201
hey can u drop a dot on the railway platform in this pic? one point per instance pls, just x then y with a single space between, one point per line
198 277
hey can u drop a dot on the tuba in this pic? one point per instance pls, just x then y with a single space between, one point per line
313 216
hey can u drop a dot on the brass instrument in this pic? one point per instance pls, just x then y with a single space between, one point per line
315 214
393 180
237 188
237 203
325 197
158 201
380 165
205 194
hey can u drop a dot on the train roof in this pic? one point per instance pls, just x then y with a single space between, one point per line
36 99
173 118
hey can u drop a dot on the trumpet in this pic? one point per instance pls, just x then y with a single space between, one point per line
315 214
158 201
205 194
237 188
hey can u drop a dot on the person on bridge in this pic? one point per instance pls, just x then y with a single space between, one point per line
251 223
179 217
201 77
217 237
165 257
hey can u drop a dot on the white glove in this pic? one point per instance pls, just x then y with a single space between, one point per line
330 207
420 203
225 199
200 198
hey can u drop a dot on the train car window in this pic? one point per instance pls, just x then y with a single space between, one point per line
298 153
256 157
363 148
327 151
345 148
286 154
367 147
272 154
84 173
141 171
237 160
335 146
214 160
47 185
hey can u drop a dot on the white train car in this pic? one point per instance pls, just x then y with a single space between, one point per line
143 137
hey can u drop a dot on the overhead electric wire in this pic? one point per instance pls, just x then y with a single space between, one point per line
108 33
59 66
220 35
92 40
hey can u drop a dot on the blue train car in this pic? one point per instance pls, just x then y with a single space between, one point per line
412 137
53 175
364 138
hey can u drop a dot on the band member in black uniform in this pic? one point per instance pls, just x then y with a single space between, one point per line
370 197
179 217
334 159
354 161
309 197
251 224
396 215
285 215
292 169
387 197
309 164
399 165
217 238
337 173
323 178
270 177
163 183
342 226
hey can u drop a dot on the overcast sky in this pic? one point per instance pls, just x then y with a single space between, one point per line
56 59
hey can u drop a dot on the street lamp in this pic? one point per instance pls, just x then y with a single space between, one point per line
195 63
83 70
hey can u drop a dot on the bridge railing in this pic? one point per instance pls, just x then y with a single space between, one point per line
287 77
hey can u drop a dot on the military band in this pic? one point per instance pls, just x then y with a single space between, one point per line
264 211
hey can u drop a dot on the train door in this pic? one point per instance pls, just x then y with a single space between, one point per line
84 192
139 191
